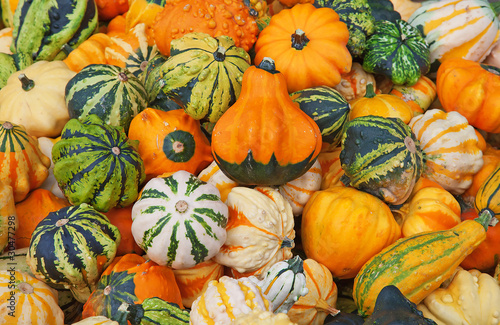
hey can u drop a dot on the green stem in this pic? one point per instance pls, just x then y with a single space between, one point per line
486 218
27 83
66 49
370 90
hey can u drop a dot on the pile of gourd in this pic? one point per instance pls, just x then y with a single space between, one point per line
249 162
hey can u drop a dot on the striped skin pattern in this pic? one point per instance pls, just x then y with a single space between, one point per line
9 222
260 231
322 292
179 221
131 50
204 74
156 311
73 246
356 14
97 164
238 296
327 107
41 28
35 301
387 166
488 196
298 191
398 51
450 147
423 261
457 28
24 167
111 92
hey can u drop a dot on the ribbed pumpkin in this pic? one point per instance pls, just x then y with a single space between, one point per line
203 74
97 164
131 279
273 124
387 166
353 221
214 17
112 93
8 218
471 89
458 29
24 167
170 141
328 108
26 300
34 98
60 241
384 105
237 296
320 300
32 210
419 96
179 221
91 51
450 146
259 231
317 54
152 82
193 281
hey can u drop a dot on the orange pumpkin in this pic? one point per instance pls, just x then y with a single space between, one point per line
341 220
170 141
214 17
108 9
122 219
487 254
317 54
90 51
32 210
142 11
472 89
193 281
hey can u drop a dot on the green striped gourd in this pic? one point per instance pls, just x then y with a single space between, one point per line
357 15
398 51
10 63
72 246
466 29
112 93
283 284
418 264
41 28
487 198
328 108
97 164
381 156
152 311
179 221
204 74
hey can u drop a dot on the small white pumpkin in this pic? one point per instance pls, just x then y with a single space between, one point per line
298 191
450 146
259 231
226 299
179 221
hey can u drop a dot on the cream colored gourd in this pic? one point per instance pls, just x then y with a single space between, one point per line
259 231
34 302
223 300
262 317
213 175
471 298
450 146
298 191
37 103
96 320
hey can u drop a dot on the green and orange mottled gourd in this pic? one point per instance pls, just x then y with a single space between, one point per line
422 262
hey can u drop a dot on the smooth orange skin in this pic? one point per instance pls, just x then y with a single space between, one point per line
108 9
91 51
321 61
466 87
384 105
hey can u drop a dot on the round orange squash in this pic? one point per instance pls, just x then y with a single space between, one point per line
341 220
122 219
316 55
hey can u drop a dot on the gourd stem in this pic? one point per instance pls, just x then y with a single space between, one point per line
7 125
296 264
324 306
220 54
122 77
299 39
370 90
66 49
491 69
486 218
27 83
287 242
268 65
